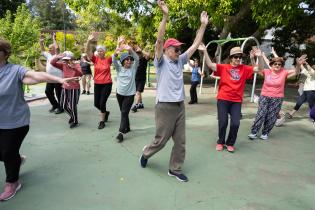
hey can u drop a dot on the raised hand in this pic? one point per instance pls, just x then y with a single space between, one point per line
163 7
257 51
54 36
204 19
91 37
121 41
251 54
202 47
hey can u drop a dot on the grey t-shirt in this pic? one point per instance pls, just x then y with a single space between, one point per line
169 76
14 110
49 68
126 84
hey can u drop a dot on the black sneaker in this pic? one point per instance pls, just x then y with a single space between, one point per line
52 109
73 125
134 108
106 116
88 93
140 106
70 121
83 92
127 130
180 177
120 137
101 125
143 161
59 111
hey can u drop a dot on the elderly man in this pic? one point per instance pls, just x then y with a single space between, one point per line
170 108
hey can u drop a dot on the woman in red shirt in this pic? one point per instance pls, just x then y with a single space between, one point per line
102 79
233 77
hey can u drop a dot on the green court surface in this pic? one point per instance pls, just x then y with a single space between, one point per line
84 168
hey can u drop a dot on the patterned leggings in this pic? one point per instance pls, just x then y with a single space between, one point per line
267 112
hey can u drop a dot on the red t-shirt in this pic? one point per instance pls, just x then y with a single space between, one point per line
102 70
232 81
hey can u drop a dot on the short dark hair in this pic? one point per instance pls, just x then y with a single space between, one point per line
5 46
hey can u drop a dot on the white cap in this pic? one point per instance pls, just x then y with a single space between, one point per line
68 55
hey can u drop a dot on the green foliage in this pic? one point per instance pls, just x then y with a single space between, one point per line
22 30
53 15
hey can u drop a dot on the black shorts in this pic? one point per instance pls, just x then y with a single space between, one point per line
140 85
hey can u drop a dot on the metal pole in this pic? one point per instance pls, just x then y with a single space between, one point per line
148 74
64 28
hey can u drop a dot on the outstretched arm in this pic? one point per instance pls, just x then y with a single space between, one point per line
204 21
32 77
161 31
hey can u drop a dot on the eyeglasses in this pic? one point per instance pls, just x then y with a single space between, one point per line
277 64
237 57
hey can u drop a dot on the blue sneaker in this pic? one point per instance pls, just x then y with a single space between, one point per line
143 161
180 177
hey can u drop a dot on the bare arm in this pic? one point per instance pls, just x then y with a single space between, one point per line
41 43
299 62
161 31
266 60
209 63
204 21
88 49
274 53
33 77
54 62
55 43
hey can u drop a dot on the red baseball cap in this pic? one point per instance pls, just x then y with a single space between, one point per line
172 42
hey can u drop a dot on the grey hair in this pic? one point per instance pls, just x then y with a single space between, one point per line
101 47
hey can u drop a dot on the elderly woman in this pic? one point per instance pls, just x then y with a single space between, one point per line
70 94
15 115
272 94
230 95
126 86
102 79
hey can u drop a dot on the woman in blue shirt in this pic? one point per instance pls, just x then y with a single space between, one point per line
195 80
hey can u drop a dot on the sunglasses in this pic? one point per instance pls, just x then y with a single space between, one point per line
237 57
277 64
129 59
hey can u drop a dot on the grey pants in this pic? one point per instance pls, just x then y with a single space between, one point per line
170 122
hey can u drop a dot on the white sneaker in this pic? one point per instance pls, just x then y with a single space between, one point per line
252 136
264 137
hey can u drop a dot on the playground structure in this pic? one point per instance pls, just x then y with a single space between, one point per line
220 44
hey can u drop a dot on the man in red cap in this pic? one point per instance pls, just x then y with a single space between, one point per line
169 108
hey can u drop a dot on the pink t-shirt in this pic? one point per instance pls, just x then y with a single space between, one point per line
274 83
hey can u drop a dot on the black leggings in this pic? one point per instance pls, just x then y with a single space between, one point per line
300 101
193 91
125 103
10 143
101 94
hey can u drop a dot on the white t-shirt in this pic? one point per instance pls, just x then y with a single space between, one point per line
310 80
49 68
